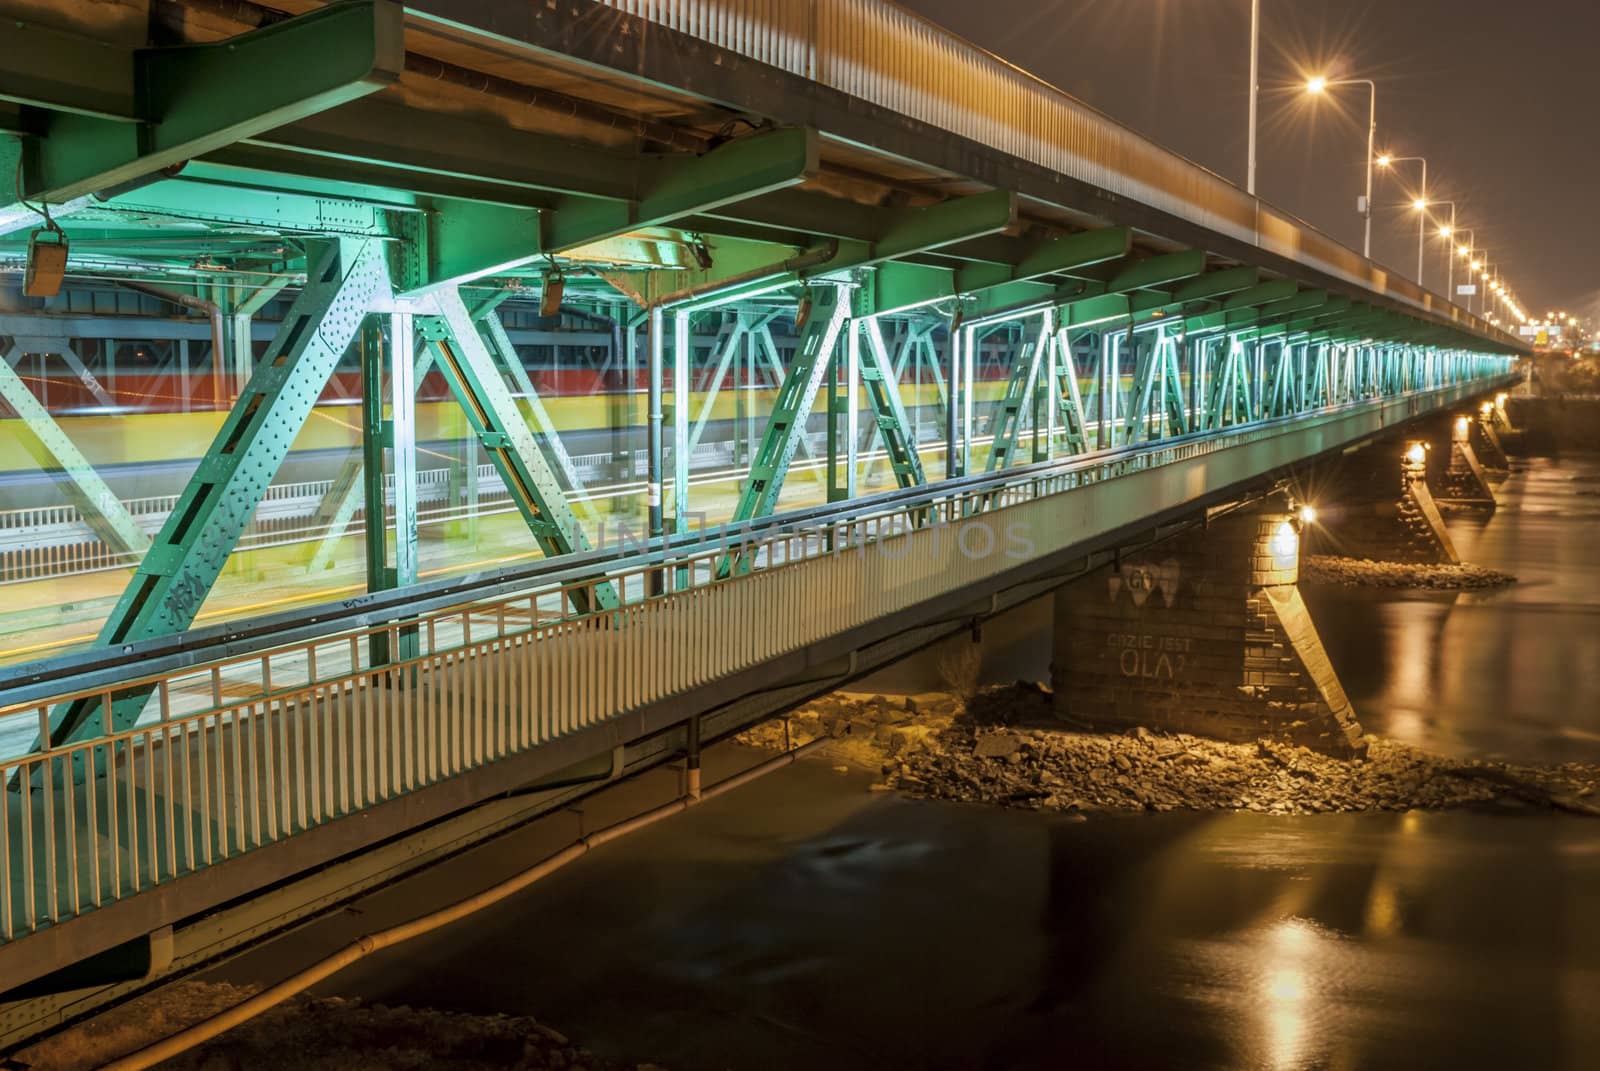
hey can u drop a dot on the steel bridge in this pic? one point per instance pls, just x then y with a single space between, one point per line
1002 335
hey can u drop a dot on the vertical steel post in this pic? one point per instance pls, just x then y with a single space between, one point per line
403 443
682 368
653 475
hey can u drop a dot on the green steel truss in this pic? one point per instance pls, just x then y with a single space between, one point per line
882 384
344 279
479 385
786 427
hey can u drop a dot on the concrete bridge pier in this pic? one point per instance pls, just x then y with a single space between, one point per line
1485 440
1361 515
1464 481
1205 633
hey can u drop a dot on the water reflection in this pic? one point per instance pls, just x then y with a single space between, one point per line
1510 674
806 923
793 926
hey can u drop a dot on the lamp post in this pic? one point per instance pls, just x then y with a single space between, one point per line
1320 85
1255 92
1447 232
1464 251
1420 204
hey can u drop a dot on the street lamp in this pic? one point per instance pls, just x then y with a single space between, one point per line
1446 231
1465 251
1420 204
1255 91
1319 85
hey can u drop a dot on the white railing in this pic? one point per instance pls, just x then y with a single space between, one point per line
244 752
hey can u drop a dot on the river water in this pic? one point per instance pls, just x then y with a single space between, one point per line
804 922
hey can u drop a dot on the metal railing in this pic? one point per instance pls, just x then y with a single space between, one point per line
246 742
881 53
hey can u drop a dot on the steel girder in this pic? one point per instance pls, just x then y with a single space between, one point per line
1021 387
881 380
900 288
345 278
146 109
467 240
479 386
786 427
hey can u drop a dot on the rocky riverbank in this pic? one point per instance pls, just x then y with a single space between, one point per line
316 1034
1003 747
1365 573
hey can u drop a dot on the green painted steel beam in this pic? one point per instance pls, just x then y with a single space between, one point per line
468 240
266 165
192 99
917 230
1155 271
1217 284
1099 309
1264 294
786 426
391 136
679 185
1304 300
285 211
479 385
799 216
346 278
899 287
1050 257
45 67
882 387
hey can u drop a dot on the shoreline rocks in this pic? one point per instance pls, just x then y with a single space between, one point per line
1003 748
316 1034
1363 572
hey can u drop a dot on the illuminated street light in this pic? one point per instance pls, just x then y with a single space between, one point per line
1255 92
1317 86
1445 231
1420 204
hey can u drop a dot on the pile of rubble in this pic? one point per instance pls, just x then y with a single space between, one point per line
1363 572
315 1034
1004 747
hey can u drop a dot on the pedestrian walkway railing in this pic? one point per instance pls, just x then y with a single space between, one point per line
252 735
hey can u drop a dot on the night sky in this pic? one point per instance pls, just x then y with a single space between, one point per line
1500 97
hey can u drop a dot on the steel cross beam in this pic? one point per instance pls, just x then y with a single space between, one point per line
786 427
162 106
1020 389
468 240
900 288
479 386
882 383
344 279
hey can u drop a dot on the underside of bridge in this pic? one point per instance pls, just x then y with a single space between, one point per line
365 332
